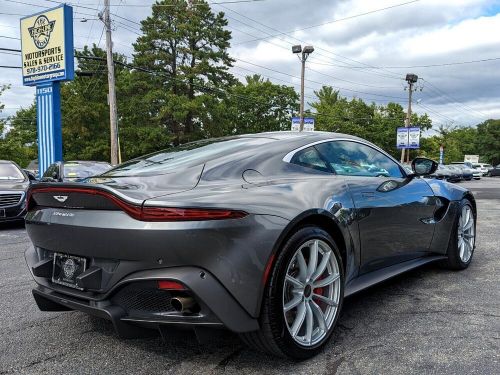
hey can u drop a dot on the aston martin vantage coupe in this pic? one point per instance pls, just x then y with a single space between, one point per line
262 234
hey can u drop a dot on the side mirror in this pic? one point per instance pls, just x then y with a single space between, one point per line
423 166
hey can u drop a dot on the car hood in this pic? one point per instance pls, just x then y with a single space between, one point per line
13 185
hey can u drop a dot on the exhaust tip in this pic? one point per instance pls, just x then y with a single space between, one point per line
183 304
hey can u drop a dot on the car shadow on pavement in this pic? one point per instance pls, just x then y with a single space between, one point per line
223 348
19 224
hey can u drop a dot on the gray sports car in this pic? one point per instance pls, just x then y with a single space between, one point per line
263 234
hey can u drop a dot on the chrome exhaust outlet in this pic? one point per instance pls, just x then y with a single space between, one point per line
183 304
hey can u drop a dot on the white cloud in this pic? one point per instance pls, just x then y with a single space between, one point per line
421 33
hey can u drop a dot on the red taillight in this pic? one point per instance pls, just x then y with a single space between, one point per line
188 214
145 213
170 285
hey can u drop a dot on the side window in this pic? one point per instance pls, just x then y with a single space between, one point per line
309 157
50 170
356 159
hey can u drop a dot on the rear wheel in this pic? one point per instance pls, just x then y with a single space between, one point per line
304 297
463 238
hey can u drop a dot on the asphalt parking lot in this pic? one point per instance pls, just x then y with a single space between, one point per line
428 321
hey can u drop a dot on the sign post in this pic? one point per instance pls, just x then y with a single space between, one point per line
308 124
441 154
47 59
408 138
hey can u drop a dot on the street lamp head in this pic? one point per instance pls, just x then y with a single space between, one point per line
411 78
308 49
297 48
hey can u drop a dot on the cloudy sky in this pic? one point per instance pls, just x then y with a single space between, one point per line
363 48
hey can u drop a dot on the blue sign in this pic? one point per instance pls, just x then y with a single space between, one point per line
413 137
48 114
402 138
408 137
308 124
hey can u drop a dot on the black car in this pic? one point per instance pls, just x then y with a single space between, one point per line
495 171
263 234
65 171
13 185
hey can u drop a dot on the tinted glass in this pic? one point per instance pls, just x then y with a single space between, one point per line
51 171
190 154
309 157
356 159
10 172
82 170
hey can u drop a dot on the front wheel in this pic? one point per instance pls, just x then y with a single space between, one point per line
303 299
463 238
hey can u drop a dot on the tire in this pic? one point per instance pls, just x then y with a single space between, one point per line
461 247
276 324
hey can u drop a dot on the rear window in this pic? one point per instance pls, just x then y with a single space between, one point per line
187 155
78 170
10 172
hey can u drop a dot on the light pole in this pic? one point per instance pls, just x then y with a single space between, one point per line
412 79
302 54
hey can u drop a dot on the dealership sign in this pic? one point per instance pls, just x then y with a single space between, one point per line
308 124
47 46
408 137
47 59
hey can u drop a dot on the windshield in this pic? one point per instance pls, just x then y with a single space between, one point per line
10 172
189 154
80 170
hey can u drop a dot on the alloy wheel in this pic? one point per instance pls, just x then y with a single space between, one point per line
311 292
466 234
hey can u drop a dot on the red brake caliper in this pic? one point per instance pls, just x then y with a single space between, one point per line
319 290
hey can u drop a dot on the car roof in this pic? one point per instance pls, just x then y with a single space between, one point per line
85 162
294 135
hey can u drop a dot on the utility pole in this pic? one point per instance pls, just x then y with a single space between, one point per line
411 79
113 128
304 54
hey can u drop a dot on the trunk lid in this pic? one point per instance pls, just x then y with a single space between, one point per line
108 192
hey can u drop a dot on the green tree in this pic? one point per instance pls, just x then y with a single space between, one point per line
258 105
18 134
186 49
85 112
488 141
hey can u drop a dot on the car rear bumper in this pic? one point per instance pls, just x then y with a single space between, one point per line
12 213
136 302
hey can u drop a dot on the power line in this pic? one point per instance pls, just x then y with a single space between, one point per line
9 37
333 21
174 5
459 105
442 64
321 83
299 40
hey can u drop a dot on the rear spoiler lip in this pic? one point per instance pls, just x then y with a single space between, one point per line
81 187
136 211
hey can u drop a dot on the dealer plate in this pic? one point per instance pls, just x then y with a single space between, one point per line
67 268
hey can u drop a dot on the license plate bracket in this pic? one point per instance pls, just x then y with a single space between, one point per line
66 268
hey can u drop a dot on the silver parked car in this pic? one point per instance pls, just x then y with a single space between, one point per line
484 168
467 170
